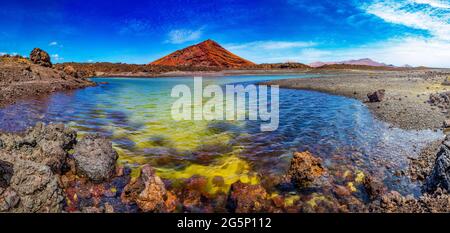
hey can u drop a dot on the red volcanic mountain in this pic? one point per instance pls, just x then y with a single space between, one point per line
206 54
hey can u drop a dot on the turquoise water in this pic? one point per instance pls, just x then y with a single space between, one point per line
135 114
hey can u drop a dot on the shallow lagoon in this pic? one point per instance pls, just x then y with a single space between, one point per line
135 114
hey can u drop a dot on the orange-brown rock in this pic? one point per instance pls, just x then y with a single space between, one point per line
206 54
305 169
247 198
149 193
40 57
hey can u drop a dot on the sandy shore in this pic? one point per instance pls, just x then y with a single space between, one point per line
407 93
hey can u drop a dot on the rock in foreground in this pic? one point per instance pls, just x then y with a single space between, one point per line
305 169
36 168
440 175
30 168
95 158
148 192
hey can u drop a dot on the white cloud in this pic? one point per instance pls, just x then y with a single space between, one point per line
56 57
180 36
2 53
53 43
432 16
415 51
434 3
433 19
398 51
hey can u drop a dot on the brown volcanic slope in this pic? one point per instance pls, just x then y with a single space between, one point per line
206 54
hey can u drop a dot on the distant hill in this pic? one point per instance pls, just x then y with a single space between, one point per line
287 65
360 62
206 54
357 67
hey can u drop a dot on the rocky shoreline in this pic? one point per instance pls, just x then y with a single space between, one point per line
22 78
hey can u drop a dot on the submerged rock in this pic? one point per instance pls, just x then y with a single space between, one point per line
440 174
373 187
376 96
40 57
247 198
305 169
95 158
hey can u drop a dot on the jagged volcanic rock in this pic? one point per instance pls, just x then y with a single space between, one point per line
40 57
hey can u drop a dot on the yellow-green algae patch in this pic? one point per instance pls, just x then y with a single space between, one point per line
230 168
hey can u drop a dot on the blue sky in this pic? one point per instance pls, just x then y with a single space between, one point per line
415 32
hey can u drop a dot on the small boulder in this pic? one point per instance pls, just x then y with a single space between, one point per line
376 96
40 57
152 198
305 169
95 158
148 192
446 123
247 198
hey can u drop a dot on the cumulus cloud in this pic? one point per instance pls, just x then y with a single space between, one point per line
430 49
56 57
430 18
179 36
